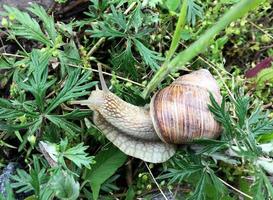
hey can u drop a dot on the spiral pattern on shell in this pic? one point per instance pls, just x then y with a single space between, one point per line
180 111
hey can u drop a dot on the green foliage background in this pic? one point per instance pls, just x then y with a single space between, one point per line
62 154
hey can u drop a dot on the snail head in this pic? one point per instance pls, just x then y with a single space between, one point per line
97 97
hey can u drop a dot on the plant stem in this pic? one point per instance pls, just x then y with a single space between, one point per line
96 46
177 63
178 29
158 186
235 189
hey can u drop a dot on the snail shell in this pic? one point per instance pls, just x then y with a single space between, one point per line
178 114
180 111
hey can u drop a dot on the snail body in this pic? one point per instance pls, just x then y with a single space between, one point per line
178 114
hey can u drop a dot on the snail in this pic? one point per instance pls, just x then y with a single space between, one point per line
178 114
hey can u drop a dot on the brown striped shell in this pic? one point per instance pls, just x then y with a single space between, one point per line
180 111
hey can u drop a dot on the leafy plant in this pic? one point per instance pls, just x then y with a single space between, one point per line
65 186
76 154
31 115
194 10
47 62
35 181
21 24
25 26
119 26
60 184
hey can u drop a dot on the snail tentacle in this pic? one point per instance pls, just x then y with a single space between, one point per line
102 81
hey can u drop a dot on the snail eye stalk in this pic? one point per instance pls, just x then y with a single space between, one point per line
102 81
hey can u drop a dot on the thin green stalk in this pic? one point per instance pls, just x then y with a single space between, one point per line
177 63
178 29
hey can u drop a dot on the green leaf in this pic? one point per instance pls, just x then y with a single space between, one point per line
67 126
6 63
218 186
150 57
199 193
210 146
106 31
75 86
125 61
262 187
130 194
13 127
26 27
194 10
77 114
37 80
78 156
257 188
34 181
10 113
183 167
268 185
259 122
136 19
118 18
70 55
9 193
107 163
47 20
241 105
221 115
172 5
266 75
64 186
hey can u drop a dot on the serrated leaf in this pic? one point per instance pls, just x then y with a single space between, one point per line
67 126
70 55
36 80
34 181
47 20
78 156
199 193
136 19
194 10
6 63
105 30
218 185
75 86
257 188
150 57
268 185
241 105
125 61
26 27
221 115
